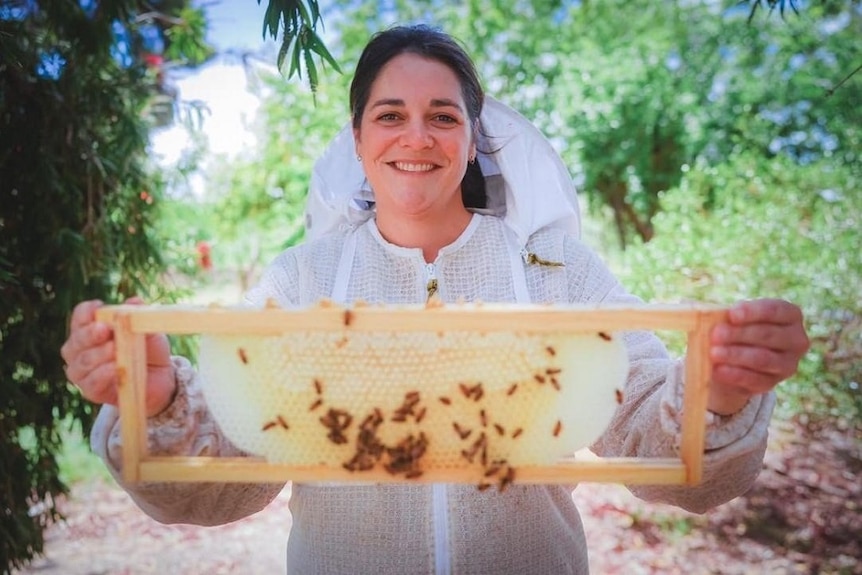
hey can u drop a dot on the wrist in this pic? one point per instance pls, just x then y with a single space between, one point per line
726 402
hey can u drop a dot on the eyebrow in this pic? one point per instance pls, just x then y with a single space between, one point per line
435 102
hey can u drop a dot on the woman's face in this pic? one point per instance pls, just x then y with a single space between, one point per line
415 138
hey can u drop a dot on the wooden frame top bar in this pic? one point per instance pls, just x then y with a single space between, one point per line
178 319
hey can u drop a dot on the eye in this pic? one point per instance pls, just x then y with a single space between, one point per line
387 117
445 119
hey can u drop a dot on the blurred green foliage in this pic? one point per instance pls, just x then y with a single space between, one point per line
768 228
77 203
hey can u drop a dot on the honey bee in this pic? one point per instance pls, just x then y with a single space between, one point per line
507 479
492 471
420 415
558 428
462 433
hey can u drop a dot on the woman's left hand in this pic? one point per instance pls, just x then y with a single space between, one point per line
758 346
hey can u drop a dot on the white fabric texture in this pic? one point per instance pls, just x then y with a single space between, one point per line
388 529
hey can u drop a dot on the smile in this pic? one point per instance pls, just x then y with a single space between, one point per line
409 167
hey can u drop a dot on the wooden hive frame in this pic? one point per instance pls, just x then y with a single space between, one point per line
132 323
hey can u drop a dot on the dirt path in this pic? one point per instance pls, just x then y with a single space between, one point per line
802 517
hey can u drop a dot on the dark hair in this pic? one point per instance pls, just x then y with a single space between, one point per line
436 45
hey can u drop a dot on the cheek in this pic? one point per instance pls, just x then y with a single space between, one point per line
459 149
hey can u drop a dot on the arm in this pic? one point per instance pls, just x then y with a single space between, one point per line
178 424
648 422
184 428
648 425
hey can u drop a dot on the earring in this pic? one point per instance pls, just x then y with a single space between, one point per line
472 159
358 158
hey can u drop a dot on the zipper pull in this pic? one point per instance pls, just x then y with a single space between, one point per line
431 283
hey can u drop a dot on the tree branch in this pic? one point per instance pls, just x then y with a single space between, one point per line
831 90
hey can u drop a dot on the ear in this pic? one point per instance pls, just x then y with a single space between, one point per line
356 141
474 137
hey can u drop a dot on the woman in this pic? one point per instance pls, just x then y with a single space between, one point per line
416 103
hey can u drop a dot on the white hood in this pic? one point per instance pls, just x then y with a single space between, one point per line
525 179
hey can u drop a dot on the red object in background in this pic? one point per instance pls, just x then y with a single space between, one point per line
204 259
154 60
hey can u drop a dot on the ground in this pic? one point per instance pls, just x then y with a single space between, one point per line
804 516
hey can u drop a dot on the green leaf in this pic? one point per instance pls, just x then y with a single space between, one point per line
311 68
282 52
294 64
319 48
306 17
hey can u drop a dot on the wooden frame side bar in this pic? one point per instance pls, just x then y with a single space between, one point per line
132 373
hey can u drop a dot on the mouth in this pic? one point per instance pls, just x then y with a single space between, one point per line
413 166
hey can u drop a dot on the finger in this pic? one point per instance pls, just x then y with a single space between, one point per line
786 338
88 360
778 365
775 311
83 338
742 380
100 385
84 313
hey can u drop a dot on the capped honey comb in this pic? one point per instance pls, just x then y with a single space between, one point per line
412 401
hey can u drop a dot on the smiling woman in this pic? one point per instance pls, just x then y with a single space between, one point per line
400 238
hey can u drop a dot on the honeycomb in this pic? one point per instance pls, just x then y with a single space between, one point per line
411 401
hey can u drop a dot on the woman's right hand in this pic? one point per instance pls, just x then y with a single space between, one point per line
91 361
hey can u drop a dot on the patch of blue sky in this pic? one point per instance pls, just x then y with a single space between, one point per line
51 65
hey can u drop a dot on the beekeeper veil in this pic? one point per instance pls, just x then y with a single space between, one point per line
526 182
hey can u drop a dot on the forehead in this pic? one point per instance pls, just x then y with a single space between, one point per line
414 78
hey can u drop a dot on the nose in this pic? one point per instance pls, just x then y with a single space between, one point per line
416 135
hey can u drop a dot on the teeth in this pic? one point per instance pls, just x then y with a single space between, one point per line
414 167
